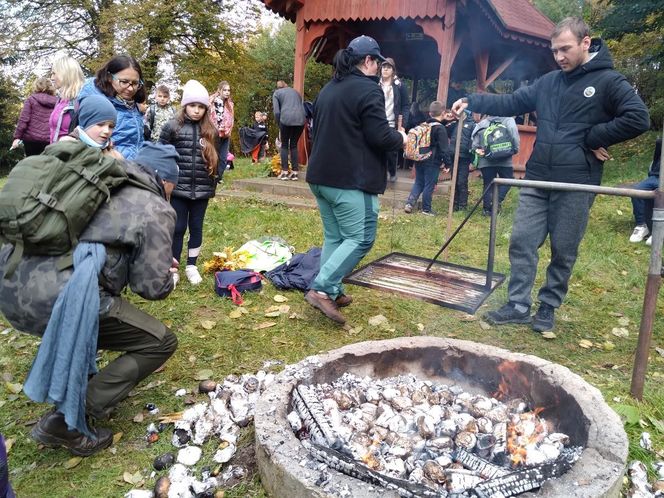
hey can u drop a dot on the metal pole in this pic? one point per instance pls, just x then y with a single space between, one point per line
492 235
653 283
577 187
455 169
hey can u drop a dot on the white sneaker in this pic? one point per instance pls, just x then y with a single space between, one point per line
192 275
283 175
649 241
640 232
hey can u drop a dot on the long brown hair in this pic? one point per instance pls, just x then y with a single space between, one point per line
208 134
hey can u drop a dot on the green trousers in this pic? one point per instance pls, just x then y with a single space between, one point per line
350 219
147 344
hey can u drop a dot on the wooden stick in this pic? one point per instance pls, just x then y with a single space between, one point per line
455 167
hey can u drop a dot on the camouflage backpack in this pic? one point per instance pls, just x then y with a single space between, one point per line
418 144
49 199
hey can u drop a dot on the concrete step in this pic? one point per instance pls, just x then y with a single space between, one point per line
298 195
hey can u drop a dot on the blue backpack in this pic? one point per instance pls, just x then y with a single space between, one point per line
228 283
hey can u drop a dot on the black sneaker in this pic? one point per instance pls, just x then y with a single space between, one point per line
507 314
544 318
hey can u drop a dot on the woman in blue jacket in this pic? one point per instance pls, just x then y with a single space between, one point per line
121 81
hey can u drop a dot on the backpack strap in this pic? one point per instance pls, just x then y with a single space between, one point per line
14 259
236 296
152 109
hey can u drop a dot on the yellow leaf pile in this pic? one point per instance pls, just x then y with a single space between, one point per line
227 260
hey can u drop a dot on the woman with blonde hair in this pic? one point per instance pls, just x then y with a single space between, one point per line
32 127
67 77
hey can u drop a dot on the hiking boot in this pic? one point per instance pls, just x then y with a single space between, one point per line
323 302
343 300
283 175
51 431
508 314
639 234
408 208
544 318
192 275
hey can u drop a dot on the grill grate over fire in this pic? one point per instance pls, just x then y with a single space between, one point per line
421 438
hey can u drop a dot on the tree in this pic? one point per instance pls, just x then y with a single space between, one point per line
557 10
10 106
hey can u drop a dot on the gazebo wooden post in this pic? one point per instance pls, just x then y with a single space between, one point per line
300 53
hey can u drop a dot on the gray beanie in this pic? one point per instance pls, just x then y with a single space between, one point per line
160 158
95 109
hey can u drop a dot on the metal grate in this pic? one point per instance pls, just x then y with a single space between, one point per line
446 284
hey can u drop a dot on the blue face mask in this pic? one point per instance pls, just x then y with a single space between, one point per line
88 141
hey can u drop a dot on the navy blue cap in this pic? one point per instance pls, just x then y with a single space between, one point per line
365 45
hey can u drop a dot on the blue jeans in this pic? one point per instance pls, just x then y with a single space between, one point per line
642 208
488 174
350 219
426 177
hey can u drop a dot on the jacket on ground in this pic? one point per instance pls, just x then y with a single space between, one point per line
578 112
136 226
351 135
194 180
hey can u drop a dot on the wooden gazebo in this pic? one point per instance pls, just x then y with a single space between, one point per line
444 40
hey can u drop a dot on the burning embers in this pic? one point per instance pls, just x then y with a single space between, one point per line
425 439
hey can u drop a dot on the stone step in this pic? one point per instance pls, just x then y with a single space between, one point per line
298 195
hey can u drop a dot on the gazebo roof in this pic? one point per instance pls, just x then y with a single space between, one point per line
512 18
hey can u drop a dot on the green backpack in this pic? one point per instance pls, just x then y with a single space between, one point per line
49 199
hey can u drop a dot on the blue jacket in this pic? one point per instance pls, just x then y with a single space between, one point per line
128 133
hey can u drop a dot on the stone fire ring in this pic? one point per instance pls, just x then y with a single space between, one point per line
577 407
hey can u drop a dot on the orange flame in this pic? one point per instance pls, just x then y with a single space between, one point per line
512 382
370 461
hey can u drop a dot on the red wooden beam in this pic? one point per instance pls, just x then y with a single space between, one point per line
499 70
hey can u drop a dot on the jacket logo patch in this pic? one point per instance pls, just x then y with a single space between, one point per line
589 91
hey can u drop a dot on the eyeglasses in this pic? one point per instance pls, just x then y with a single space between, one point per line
128 83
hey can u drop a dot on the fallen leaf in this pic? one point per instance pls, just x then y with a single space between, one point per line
139 418
72 462
9 443
657 424
264 325
236 313
468 318
355 331
294 316
377 320
14 387
624 321
620 213
615 313
620 332
204 374
549 335
660 351
272 309
608 346
192 359
280 299
629 413
130 478
284 308
420 327
273 314
585 344
484 325
208 324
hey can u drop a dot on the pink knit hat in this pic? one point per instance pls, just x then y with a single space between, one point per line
194 93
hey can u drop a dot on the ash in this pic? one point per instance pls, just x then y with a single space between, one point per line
420 438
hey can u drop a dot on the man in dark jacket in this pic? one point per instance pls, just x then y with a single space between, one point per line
581 109
396 107
427 171
347 168
136 227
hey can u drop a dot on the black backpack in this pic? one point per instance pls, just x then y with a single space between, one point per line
497 141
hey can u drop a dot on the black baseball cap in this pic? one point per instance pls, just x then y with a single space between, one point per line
365 45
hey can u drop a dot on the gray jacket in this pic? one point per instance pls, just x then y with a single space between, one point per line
288 108
136 226
476 139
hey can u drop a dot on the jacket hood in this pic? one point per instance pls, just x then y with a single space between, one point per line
602 60
45 99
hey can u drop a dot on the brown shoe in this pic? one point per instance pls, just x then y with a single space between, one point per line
343 300
52 431
325 304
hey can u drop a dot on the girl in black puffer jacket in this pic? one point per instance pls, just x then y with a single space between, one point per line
193 136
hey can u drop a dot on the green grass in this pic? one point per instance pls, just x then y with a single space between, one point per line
608 280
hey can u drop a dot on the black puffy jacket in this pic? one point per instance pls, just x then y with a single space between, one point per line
194 181
351 135
578 112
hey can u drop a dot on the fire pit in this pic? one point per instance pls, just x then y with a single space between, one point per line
577 409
